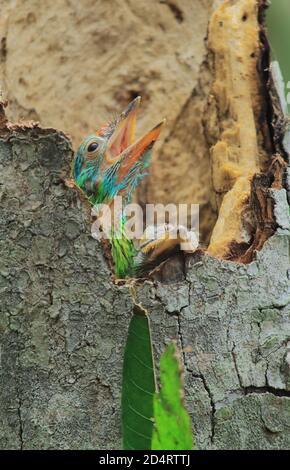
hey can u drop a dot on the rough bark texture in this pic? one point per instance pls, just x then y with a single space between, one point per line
64 323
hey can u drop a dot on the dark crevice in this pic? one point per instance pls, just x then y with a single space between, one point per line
236 394
280 308
213 408
19 414
278 392
212 404
3 49
176 11
181 343
234 356
266 375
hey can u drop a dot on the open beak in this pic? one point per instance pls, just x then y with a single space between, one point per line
124 132
121 142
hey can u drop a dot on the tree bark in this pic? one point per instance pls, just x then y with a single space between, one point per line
64 320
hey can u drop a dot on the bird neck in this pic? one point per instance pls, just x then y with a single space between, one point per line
123 250
87 174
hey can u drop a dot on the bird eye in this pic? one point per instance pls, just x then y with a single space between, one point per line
93 147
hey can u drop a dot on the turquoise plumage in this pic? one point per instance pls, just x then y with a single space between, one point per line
109 164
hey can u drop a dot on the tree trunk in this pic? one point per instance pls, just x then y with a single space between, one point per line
64 320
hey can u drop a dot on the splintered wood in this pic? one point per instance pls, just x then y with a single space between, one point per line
239 122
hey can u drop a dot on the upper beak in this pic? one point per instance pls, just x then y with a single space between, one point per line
124 133
121 142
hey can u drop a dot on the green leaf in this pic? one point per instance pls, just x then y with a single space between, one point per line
138 386
172 428
278 28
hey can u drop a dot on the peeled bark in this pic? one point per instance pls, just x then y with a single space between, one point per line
64 320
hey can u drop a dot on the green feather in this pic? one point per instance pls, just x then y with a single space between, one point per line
123 252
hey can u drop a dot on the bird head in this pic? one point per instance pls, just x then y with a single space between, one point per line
109 162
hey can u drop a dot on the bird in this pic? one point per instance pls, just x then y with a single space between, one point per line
110 164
